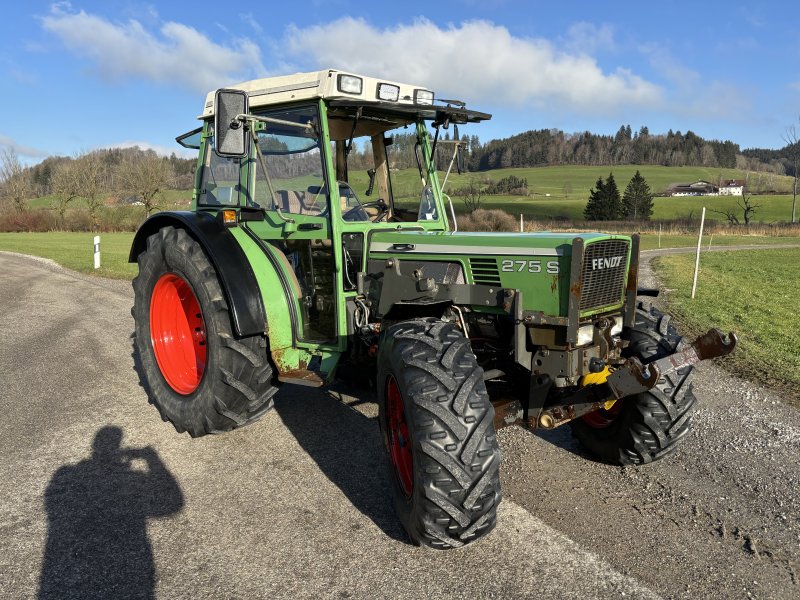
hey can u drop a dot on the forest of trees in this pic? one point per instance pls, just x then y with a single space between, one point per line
553 147
549 147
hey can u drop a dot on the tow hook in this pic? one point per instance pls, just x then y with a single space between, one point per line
634 377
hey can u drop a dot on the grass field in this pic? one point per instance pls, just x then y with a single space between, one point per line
650 242
579 179
751 293
76 250
771 209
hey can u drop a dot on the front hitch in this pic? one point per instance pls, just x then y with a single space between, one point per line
633 377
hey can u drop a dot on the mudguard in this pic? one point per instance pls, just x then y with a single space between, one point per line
230 262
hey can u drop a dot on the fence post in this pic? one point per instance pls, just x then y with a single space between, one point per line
97 252
697 259
659 235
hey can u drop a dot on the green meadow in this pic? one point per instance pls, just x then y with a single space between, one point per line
753 293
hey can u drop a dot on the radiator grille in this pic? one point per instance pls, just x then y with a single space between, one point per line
604 266
484 271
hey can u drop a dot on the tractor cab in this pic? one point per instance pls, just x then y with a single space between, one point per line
309 165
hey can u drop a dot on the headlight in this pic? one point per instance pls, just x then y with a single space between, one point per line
423 97
388 92
617 328
349 84
586 332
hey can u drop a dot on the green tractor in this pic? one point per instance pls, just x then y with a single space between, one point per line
302 259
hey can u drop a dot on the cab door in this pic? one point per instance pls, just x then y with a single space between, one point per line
296 229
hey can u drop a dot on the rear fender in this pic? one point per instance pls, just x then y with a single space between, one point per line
235 272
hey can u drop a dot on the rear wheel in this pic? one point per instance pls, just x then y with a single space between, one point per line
198 374
438 431
649 426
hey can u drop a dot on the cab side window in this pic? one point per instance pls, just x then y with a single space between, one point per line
219 184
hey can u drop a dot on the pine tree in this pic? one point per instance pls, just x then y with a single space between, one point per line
613 205
593 210
637 202
604 202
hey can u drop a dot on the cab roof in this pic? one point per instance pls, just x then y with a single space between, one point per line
328 84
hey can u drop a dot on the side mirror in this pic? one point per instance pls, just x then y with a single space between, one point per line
231 136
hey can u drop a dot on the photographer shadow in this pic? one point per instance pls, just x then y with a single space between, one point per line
97 544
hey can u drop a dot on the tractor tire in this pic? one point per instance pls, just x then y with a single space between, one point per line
649 426
198 374
438 429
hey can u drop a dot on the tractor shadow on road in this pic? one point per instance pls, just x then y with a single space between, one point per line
346 446
97 510
561 437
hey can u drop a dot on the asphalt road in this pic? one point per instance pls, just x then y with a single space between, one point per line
101 497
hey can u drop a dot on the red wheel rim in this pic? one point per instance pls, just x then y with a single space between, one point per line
178 333
600 419
399 441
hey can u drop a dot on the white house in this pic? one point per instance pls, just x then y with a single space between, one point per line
731 187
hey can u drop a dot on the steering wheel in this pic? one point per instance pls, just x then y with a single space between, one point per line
382 207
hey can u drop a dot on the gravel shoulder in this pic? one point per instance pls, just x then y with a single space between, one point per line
719 519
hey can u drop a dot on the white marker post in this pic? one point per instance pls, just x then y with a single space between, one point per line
659 235
97 252
697 259
521 223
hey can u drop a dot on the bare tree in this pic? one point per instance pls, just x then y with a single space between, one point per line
792 139
145 176
65 185
15 180
92 178
746 207
472 193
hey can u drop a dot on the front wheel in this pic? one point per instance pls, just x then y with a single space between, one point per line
438 430
201 377
645 427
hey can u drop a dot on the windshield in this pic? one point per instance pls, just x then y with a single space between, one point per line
374 154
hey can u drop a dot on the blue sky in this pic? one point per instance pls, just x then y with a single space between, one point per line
84 74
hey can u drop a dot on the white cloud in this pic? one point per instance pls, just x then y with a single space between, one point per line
476 60
251 21
176 53
588 38
21 149
694 95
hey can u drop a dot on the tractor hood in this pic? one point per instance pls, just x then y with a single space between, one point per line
537 264
473 243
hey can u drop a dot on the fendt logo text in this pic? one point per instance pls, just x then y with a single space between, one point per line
606 263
